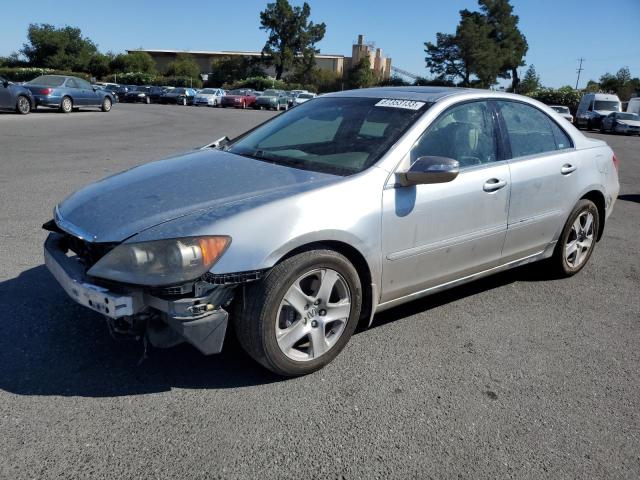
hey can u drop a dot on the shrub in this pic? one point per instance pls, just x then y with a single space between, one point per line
566 96
24 74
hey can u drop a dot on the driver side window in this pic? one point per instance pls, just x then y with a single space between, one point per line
465 133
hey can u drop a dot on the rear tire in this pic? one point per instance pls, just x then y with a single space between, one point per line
66 106
317 332
23 105
577 240
106 105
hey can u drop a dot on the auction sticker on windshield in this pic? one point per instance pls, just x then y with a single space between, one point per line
395 103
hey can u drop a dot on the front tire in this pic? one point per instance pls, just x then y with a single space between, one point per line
66 106
578 239
23 105
302 314
184 102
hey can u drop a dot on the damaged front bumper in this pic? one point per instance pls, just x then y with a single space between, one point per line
198 319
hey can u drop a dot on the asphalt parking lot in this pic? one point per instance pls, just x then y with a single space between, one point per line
514 376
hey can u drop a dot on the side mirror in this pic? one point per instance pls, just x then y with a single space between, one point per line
427 170
5 83
218 144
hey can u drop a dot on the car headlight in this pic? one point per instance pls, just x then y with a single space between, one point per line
161 262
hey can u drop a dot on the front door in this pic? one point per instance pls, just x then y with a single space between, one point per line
437 233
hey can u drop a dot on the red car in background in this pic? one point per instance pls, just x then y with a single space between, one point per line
239 99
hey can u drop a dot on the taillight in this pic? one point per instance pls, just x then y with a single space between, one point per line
45 91
616 163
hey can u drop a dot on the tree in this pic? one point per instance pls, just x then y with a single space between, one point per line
291 34
467 53
99 65
58 48
511 43
443 57
228 70
361 75
133 62
531 81
184 66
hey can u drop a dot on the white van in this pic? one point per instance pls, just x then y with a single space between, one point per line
594 107
634 105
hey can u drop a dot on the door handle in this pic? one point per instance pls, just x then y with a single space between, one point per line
567 168
493 185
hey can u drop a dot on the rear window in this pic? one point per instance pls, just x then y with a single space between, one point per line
47 80
609 105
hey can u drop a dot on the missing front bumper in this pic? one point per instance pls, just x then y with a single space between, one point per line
200 321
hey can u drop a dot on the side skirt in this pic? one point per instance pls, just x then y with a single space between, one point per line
546 253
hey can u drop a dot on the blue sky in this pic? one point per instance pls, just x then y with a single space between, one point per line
558 31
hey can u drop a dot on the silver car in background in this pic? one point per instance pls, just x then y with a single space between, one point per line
209 97
345 206
563 111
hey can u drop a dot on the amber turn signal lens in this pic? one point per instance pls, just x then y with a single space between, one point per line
212 248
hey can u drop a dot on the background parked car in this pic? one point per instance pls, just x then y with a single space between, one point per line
563 111
210 97
594 107
272 100
68 93
634 105
621 122
303 97
179 96
241 98
144 94
15 97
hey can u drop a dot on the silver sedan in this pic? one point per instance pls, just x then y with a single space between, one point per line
350 204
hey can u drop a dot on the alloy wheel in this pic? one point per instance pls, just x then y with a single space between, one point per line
580 240
23 105
313 314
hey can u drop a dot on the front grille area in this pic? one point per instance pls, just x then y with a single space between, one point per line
88 252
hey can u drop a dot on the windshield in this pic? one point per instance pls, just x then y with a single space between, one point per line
270 93
48 80
627 116
208 91
609 105
561 109
342 136
305 95
237 92
178 90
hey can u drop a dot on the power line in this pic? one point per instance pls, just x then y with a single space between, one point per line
579 70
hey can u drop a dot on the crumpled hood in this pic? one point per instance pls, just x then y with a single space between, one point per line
117 207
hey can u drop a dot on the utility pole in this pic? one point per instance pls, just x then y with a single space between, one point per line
579 70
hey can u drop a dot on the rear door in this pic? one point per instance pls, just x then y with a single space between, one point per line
6 96
545 177
75 92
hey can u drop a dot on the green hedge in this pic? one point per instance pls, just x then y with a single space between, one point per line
24 74
139 78
261 83
566 96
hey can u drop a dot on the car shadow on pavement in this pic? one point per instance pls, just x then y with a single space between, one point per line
51 346
534 272
632 197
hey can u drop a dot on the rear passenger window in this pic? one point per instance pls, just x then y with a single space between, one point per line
530 131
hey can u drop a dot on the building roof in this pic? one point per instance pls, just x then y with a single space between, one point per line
217 52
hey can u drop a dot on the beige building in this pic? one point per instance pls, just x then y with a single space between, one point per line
337 64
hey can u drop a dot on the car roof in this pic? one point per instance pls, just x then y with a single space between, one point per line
424 94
